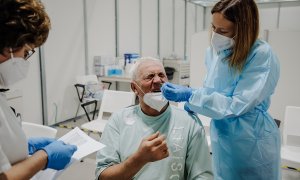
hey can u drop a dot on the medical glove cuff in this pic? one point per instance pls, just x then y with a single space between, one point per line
31 149
36 143
189 93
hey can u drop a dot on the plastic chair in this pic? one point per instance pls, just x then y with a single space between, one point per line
37 130
112 101
89 92
290 152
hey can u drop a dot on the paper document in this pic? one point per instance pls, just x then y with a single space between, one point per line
85 146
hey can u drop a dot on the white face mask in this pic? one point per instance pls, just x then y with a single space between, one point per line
220 42
155 100
13 70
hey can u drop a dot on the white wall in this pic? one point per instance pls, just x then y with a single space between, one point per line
149 25
65 49
30 102
101 29
166 28
286 45
199 44
64 57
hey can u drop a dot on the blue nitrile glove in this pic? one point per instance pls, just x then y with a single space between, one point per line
186 108
177 93
59 154
37 143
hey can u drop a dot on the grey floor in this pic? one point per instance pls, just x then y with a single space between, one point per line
86 170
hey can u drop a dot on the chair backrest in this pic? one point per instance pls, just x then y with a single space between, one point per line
291 124
85 79
115 100
88 86
37 130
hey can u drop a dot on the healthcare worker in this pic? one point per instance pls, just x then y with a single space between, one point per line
242 73
24 25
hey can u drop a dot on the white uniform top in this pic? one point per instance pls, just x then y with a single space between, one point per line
13 142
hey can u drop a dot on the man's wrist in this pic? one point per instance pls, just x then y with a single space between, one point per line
44 156
136 161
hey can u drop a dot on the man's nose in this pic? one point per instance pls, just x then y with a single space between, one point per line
157 79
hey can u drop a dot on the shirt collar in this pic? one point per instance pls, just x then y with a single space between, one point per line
151 119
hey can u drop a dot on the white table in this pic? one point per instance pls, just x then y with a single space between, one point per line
115 79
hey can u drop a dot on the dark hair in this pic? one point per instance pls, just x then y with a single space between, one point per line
22 22
244 15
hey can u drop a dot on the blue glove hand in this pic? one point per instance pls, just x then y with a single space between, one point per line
177 93
186 108
59 154
37 143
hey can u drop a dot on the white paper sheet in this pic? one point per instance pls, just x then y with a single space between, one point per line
85 146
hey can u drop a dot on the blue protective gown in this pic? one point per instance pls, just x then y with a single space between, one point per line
245 139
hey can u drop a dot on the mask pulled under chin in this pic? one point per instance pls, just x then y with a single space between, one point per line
13 70
155 100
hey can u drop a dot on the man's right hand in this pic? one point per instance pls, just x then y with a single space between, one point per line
153 148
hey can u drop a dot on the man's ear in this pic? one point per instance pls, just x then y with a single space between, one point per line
133 88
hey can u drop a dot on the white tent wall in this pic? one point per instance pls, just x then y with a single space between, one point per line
286 45
101 30
30 105
64 52
149 28
64 58
166 28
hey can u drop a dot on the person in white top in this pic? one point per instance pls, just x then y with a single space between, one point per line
24 25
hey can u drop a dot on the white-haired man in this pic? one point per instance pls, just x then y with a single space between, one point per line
153 140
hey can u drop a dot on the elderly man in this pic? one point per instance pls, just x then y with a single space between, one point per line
153 140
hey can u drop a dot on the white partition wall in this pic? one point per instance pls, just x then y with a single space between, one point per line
27 97
166 28
191 25
101 29
286 46
129 23
149 28
64 57
199 44
179 28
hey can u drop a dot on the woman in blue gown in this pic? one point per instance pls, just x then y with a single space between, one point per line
242 73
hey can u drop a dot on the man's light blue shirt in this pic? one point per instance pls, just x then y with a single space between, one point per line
189 154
